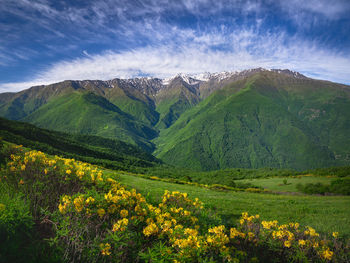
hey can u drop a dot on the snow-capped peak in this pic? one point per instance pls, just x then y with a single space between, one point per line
185 77
193 79
196 78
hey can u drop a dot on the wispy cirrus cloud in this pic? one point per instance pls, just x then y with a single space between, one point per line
330 9
198 53
126 38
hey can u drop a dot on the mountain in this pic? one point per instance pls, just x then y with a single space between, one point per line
180 94
250 119
83 107
268 119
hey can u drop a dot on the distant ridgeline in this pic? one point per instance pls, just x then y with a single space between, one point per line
249 119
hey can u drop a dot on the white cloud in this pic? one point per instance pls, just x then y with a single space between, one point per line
172 49
331 9
199 53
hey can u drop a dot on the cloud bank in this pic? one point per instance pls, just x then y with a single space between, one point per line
237 35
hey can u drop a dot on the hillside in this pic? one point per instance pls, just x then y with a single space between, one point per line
249 119
106 152
266 120
58 210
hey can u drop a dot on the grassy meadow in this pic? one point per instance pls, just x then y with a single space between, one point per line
286 184
68 210
325 213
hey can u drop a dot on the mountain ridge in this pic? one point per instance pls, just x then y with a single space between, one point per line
156 114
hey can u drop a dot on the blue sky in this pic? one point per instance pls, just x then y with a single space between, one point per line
46 41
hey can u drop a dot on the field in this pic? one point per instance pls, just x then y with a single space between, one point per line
325 213
68 210
277 183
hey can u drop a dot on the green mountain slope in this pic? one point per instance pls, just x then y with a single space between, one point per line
135 103
62 106
251 119
174 100
107 152
266 120
87 113
18 105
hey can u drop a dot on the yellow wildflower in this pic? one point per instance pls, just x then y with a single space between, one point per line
124 213
302 242
269 224
68 171
120 225
287 243
101 212
310 231
150 229
234 232
79 203
89 200
63 208
105 249
190 232
335 234
327 254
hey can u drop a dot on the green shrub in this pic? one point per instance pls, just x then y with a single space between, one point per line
247 185
339 186
16 225
310 188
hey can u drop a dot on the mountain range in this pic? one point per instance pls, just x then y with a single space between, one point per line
250 119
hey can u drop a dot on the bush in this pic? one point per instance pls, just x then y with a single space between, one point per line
102 221
339 186
313 188
247 185
16 225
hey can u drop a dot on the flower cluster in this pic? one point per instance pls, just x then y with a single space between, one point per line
99 216
289 237
36 161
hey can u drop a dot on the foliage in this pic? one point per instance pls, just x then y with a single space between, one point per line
99 220
338 186
19 236
107 152
325 213
341 171
43 179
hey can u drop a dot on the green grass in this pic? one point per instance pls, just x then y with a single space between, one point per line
277 184
325 213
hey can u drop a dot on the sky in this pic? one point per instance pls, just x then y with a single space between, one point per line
47 41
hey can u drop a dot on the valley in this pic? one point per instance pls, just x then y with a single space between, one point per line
244 119
176 131
253 164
